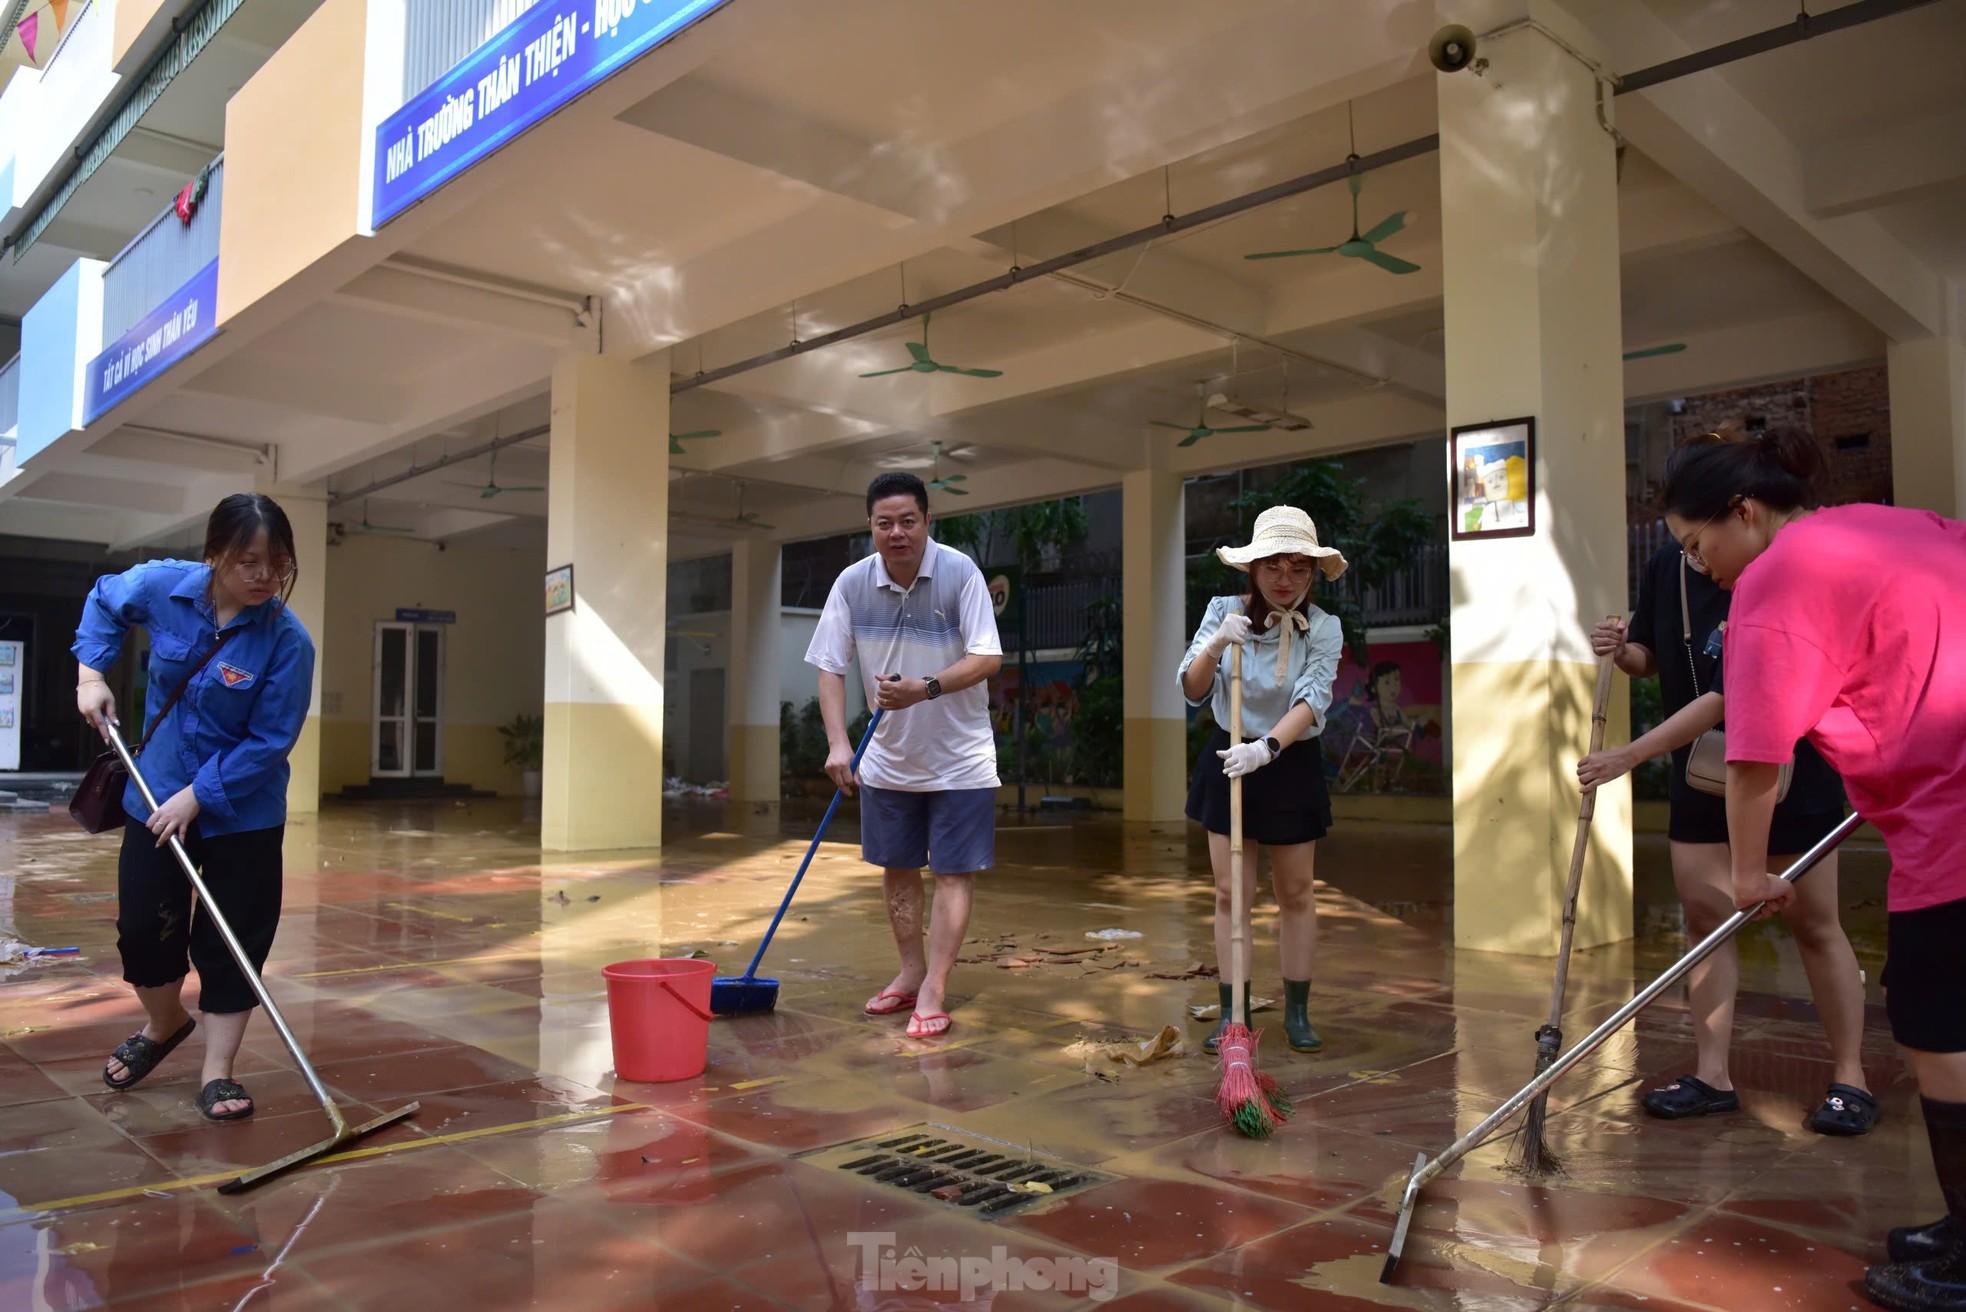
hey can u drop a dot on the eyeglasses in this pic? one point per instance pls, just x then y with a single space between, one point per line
277 573
1686 544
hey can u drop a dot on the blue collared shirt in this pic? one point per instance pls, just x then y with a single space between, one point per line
229 736
1266 699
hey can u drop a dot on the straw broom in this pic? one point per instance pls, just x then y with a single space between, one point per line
1532 1155
1253 1102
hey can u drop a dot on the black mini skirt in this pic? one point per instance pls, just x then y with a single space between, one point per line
1285 802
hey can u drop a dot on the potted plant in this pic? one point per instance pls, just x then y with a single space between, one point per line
525 747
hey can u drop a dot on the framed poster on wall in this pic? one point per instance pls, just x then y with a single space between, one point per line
559 589
1492 479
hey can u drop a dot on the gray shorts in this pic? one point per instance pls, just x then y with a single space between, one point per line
951 833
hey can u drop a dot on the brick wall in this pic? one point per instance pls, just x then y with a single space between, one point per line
1849 413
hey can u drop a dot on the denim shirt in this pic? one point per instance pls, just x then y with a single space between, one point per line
1314 656
229 735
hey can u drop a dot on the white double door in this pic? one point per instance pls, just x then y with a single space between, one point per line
408 737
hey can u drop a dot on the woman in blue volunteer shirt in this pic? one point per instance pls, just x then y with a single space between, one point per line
222 632
1289 663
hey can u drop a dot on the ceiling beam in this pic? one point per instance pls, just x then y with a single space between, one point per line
1713 139
1888 166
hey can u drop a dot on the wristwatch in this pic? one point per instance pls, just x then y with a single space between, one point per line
1276 748
934 687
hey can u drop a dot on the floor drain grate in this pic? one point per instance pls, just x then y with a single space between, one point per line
980 1175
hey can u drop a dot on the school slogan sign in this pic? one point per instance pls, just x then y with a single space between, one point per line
183 323
554 52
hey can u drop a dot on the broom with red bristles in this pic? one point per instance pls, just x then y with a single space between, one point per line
1252 1101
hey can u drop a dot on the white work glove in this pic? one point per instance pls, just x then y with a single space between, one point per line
1245 758
1233 630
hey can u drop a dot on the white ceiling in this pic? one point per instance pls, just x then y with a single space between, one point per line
792 180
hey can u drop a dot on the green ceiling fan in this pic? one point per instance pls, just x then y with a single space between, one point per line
944 483
676 440
1358 247
924 363
366 527
1646 353
1201 427
749 518
492 487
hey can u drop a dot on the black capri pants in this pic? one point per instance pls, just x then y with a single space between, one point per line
160 936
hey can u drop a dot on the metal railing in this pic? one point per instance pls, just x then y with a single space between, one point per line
10 397
161 259
1642 542
1056 615
439 34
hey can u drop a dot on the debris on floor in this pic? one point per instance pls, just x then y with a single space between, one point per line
1005 953
1193 970
1213 1010
1133 1052
673 787
1113 934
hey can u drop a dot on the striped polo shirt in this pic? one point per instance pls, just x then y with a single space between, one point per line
916 631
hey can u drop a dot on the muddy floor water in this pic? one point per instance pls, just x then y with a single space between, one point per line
430 952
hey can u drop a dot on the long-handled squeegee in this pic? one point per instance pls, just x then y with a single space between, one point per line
1424 1170
207 906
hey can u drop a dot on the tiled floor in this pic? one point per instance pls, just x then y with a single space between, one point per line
429 953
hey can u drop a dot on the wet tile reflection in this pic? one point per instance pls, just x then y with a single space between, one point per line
434 955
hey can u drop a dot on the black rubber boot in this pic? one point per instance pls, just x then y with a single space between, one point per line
1936 1284
1923 1243
1214 1041
1296 1016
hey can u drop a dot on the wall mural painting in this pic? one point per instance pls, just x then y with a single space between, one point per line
1384 734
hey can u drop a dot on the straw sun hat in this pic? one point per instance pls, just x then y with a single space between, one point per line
1284 531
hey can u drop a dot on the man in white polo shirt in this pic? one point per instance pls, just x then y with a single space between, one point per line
928 782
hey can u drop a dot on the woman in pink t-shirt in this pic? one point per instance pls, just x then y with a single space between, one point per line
1847 628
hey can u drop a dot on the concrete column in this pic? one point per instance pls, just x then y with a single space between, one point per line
607 516
307 511
1154 635
755 623
1928 423
1529 218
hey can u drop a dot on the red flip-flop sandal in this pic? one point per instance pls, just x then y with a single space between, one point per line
918 1024
900 1002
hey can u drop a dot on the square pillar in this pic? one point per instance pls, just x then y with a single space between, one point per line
756 619
307 512
1928 423
1154 638
607 516
1529 218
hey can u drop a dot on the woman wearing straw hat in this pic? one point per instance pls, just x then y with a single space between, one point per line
1290 662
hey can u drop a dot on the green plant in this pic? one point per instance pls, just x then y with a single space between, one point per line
802 745
1025 530
1651 781
525 740
1378 542
1099 725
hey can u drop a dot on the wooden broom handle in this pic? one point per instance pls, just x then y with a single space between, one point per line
1238 941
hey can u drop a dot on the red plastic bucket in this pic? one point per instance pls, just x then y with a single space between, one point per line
659 1016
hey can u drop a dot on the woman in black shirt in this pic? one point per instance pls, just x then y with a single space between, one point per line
1677 634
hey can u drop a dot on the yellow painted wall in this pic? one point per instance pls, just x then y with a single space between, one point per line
293 157
494 659
139 23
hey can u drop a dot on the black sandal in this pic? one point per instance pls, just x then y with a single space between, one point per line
1847 1111
219 1091
140 1054
1690 1096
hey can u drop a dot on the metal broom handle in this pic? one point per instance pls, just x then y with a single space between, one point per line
210 907
1590 1042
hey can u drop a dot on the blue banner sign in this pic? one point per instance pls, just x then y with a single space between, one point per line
184 322
555 51
418 615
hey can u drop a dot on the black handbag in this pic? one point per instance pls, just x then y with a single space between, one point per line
98 803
